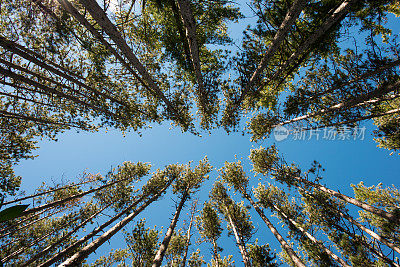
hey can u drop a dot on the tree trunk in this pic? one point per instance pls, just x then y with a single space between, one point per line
239 241
62 201
296 260
45 88
31 223
215 252
366 75
61 240
104 22
46 192
356 101
393 111
189 234
10 115
78 257
337 16
190 25
56 69
279 37
40 77
311 237
370 232
75 245
164 245
21 222
384 214
366 244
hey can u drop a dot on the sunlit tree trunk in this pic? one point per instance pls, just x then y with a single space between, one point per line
239 241
63 238
279 37
311 237
78 257
189 233
384 214
65 200
293 256
164 245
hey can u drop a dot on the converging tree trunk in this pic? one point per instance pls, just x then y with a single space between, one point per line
164 245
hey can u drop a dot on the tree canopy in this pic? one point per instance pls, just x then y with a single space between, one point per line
127 65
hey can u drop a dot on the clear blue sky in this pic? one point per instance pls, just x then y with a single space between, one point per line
346 162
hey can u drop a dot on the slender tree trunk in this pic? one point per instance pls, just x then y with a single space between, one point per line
189 234
104 22
365 75
15 97
60 94
366 244
354 102
363 228
393 111
190 25
215 252
384 214
62 239
293 256
78 243
178 21
10 115
22 221
239 241
40 77
334 18
310 237
46 192
164 245
30 54
78 257
56 69
279 37
35 242
370 232
62 201
31 223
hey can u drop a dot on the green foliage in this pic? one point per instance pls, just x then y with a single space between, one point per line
261 256
142 244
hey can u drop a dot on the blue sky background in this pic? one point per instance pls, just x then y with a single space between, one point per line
346 162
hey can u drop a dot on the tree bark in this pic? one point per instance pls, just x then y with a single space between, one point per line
365 75
60 94
104 22
293 256
46 192
354 102
73 246
31 223
393 111
62 201
190 25
366 244
56 69
279 37
189 234
164 245
337 16
78 257
239 241
311 237
384 214
61 240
